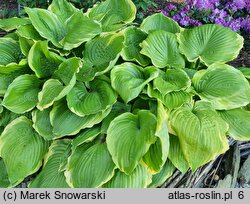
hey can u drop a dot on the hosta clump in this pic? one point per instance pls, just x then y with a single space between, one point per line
89 100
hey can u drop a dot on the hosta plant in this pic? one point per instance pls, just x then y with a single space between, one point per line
89 100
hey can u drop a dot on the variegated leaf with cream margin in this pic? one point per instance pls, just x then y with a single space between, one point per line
131 50
9 24
176 155
42 61
59 26
222 85
100 55
210 43
66 123
22 149
201 132
139 178
158 21
157 154
89 166
113 14
239 123
22 94
42 124
11 58
162 48
62 81
129 137
129 79
166 171
91 98
52 173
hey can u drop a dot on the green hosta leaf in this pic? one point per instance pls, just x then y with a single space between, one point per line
9 24
25 45
159 178
67 70
129 137
158 152
52 90
245 71
11 58
131 51
13 67
60 85
159 22
239 123
28 32
139 178
129 79
203 137
42 61
172 80
162 48
176 155
6 79
63 9
47 24
79 29
1 106
51 175
210 43
100 55
65 122
22 94
6 116
172 99
89 167
113 14
65 26
222 85
22 149
190 72
117 109
4 180
175 99
98 96
87 135
42 123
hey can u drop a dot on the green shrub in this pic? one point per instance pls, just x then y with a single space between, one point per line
93 101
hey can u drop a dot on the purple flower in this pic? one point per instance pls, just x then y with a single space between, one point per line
177 17
205 4
235 5
239 4
248 5
220 22
245 25
235 25
165 12
170 7
219 15
185 21
195 22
